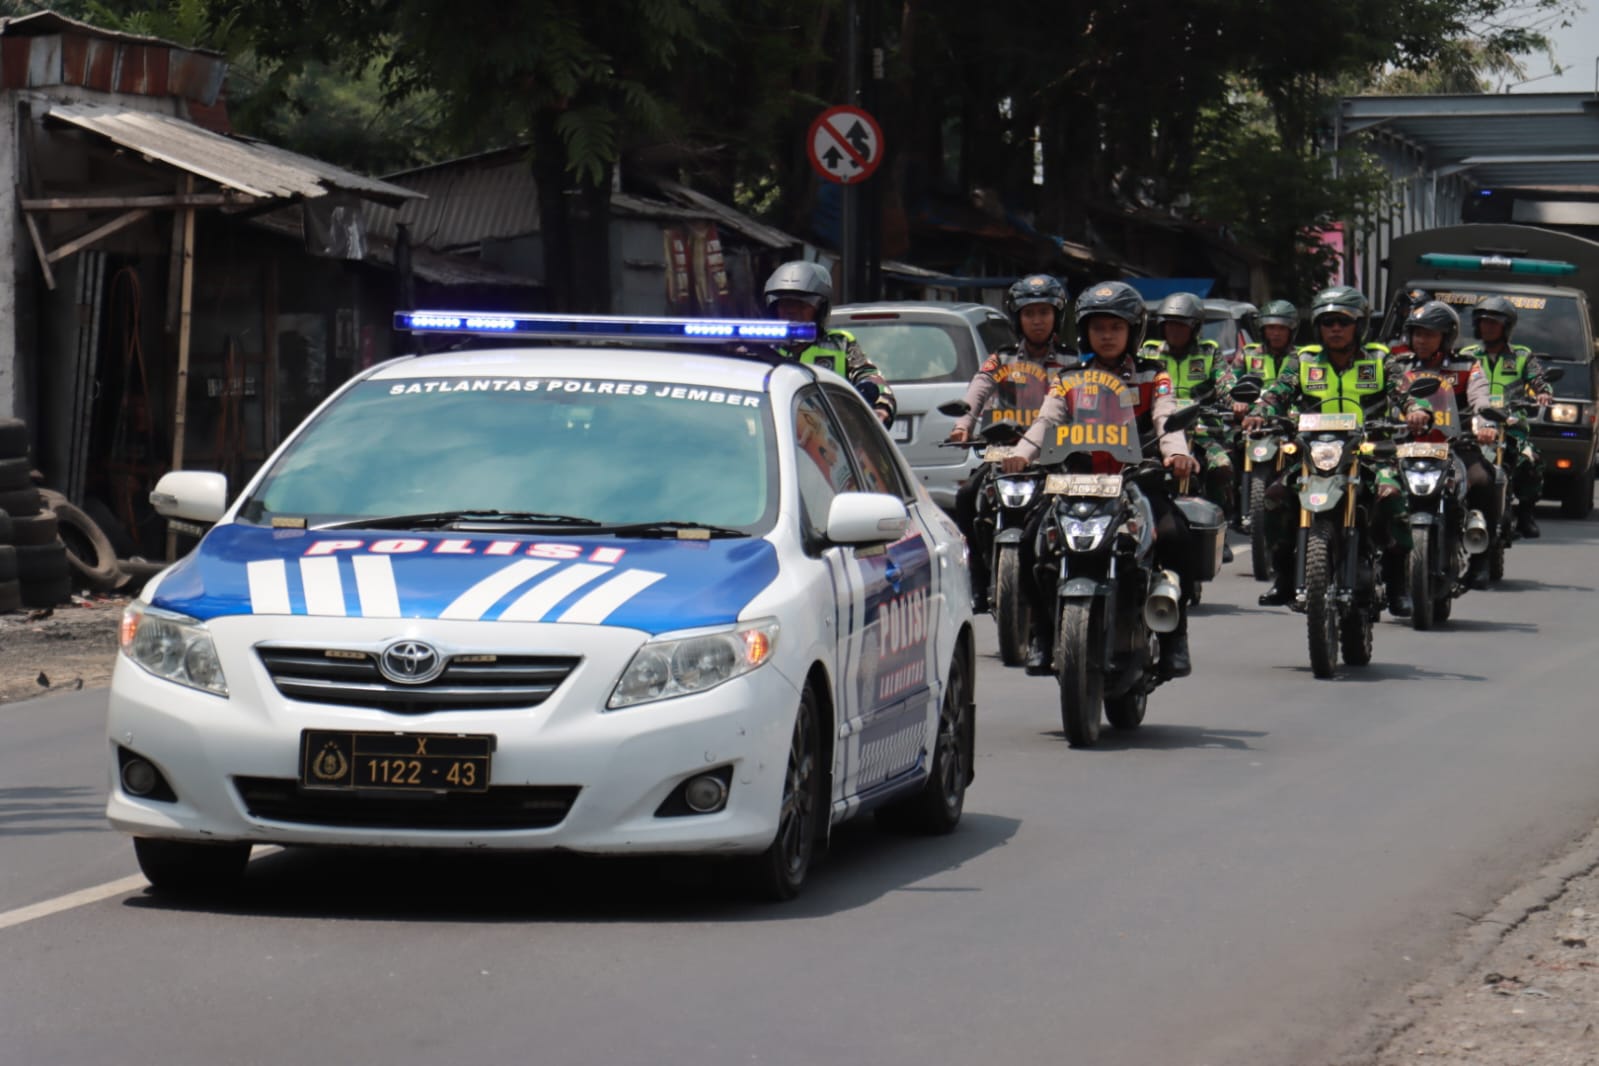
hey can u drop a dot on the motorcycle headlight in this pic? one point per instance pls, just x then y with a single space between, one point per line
1016 491
1084 534
1564 412
1423 482
173 647
669 666
1326 454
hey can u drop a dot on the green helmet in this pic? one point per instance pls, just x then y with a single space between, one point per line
1280 313
1342 300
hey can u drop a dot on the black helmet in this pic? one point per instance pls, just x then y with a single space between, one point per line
1111 298
1435 314
801 280
1497 307
1280 313
1035 289
1342 300
1182 307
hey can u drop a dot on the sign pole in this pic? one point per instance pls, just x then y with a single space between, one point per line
849 215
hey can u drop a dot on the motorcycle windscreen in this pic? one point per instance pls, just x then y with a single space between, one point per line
1020 387
1102 418
1445 411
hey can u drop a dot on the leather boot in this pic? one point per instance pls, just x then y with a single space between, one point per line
1526 525
1398 582
1281 593
1174 660
1477 572
1039 662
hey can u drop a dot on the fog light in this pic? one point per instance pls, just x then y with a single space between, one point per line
139 777
705 794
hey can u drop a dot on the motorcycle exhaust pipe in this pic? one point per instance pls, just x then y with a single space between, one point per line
1476 535
1162 607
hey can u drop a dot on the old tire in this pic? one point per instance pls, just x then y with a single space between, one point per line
1418 572
13 438
39 562
1078 671
1011 615
15 474
7 528
22 502
89 551
46 592
8 563
39 528
10 596
1321 613
182 868
936 808
777 873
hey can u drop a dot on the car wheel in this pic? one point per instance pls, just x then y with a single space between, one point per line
777 873
182 868
936 808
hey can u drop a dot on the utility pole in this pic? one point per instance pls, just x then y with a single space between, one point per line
849 238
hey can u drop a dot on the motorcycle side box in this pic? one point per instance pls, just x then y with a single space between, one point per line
1209 528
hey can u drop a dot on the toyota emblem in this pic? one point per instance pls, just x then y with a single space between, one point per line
410 662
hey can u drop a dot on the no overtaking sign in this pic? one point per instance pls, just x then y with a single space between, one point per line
846 144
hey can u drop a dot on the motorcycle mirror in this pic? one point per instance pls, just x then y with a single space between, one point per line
1002 432
1202 392
955 408
1554 374
1495 415
1422 388
1184 418
1246 391
1384 449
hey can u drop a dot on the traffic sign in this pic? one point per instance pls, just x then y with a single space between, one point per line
846 144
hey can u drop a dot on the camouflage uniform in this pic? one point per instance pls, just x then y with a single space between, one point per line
837 350
1515 375
1213 446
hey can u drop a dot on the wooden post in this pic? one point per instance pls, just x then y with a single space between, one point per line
180 409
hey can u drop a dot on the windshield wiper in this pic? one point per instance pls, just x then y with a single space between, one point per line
680 530
456 519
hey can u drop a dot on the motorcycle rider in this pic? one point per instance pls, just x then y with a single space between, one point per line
1339 375
801 291
1037 308
1110 324
1431 331
1512 371
1191 360
1264 359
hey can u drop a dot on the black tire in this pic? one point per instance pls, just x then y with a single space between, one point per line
1079 673
20 503
936 808
13 438
1443 608
7 529
15 474
10 596
1321 613
42 528
777 873
1577 501
1011 609
1496 559
46 592
1418 573
1260 551
1197 594
1356 634
182 868
1126 712
41 562
89 551
8 563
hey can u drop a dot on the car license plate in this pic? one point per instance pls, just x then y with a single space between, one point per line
901 430
411 762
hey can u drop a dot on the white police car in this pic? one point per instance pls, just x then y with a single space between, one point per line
614 598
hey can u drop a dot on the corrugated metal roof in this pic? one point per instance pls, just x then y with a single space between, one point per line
730 217
249 166
438 267
485 197
47 22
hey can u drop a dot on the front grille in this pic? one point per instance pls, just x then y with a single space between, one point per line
468 683
504 807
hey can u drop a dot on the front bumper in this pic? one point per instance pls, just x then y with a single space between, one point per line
1571 443
622 764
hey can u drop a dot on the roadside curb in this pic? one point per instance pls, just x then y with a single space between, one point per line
1472 947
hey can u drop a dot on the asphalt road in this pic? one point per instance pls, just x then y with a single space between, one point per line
1242 881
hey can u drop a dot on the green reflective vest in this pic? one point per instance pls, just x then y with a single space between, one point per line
1188 370
1346 392
831 351
1258 361
1504 372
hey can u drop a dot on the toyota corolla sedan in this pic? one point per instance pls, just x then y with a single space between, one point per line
631 594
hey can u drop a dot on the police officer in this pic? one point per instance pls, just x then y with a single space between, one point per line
1339 375
1110 324
1037 308
1191 360
1431 331
1279 320
1512 371
801 291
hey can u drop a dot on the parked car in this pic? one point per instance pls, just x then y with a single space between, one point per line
929 353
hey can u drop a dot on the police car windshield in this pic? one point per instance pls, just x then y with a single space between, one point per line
614 452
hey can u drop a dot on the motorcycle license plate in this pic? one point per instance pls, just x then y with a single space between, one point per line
1083 485
1423 450
1315 423
408 762
995 453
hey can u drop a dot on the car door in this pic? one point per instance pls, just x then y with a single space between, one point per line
887 728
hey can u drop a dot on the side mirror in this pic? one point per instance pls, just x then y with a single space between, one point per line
1002 432
1422 388
1185 418
1496 415
1202 392
1384 449
955 408
1554 374
866 518
1246 391
195 495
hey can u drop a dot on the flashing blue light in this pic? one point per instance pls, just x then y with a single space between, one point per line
605 327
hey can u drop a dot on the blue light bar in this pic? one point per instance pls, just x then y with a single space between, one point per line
605 327
1443 261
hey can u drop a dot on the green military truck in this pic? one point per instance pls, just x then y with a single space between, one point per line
1553 281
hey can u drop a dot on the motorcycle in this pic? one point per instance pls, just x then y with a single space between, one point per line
1502 524
1096 544
1263 462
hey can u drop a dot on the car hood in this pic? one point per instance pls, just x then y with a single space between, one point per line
646 584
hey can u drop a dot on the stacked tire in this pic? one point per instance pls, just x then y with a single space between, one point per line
33 560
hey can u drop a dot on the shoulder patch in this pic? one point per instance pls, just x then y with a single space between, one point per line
990 364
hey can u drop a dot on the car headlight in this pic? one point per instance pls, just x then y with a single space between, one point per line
1017 491
1564 412
172 646
1326 454
671 666
1423 482
1084 534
